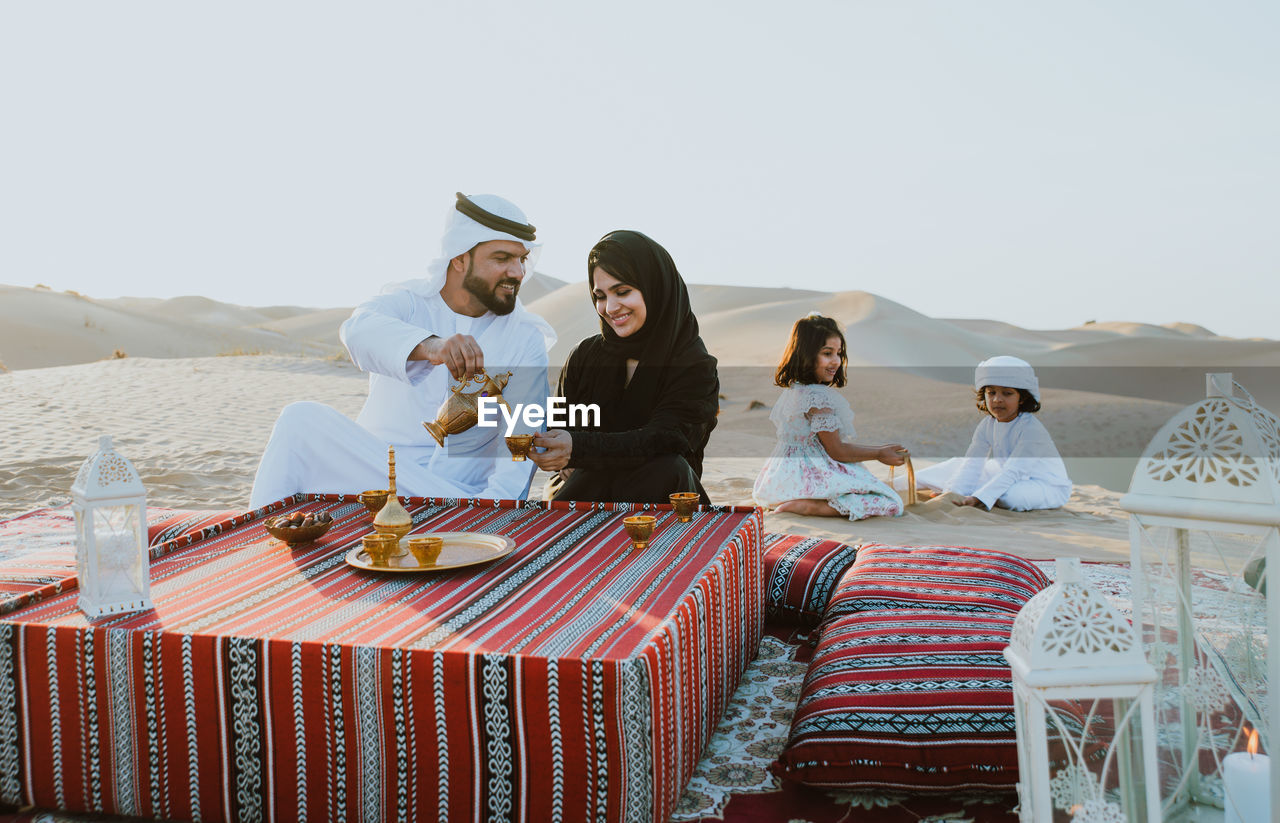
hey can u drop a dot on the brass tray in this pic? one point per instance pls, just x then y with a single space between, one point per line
460 549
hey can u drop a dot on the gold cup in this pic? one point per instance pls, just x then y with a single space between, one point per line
519 445
426 548
639 528
374 499
379 547
684 503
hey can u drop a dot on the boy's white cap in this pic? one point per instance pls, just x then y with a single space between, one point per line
1004 370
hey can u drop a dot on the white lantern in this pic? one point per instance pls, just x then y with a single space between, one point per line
112 563
1078 668
1204 508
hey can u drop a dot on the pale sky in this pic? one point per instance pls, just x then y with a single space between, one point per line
1036 163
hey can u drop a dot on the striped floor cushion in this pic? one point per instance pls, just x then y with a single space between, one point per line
800 573
914 700
950 578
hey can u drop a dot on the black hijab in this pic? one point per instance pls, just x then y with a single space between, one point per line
670 326
675 371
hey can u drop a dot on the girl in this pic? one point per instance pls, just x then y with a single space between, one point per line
813 469
1012 461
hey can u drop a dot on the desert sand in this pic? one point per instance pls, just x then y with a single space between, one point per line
190 388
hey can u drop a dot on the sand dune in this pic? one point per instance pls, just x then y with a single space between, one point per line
742 326
314 326
195 424
43 328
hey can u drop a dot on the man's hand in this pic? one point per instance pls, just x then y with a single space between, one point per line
460 354
559 446
971 501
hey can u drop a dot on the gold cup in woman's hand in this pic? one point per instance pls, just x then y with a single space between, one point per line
639 528
519 445
684 503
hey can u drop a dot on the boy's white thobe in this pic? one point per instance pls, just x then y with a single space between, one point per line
1015 463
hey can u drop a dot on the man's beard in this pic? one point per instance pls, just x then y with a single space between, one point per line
488 296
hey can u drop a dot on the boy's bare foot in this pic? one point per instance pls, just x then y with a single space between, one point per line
810 507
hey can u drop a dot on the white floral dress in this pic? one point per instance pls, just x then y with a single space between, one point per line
800 467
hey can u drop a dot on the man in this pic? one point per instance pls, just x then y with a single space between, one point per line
417 339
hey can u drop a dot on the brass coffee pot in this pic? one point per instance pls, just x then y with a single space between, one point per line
460 410
392 517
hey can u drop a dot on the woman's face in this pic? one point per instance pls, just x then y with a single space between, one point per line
621 305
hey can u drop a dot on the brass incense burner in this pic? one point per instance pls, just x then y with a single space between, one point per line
460 410
392 517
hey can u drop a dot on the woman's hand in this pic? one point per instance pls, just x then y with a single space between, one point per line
970 501
893 454
559 446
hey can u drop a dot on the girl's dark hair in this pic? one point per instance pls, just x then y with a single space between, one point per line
1026 403
808 335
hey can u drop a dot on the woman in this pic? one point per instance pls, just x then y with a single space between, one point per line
649 373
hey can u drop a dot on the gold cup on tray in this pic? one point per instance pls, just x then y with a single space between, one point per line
374 499
639 528
380 547
425 548
684 503
520 445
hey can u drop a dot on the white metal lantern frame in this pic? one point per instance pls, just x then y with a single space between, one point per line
1204 503
1070 647
112 561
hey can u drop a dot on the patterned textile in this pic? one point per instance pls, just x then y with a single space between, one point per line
800 573
37 556
906 700
732 782
952 578
38 549
164 525
576 678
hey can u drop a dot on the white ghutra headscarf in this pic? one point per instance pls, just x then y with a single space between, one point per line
463 233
